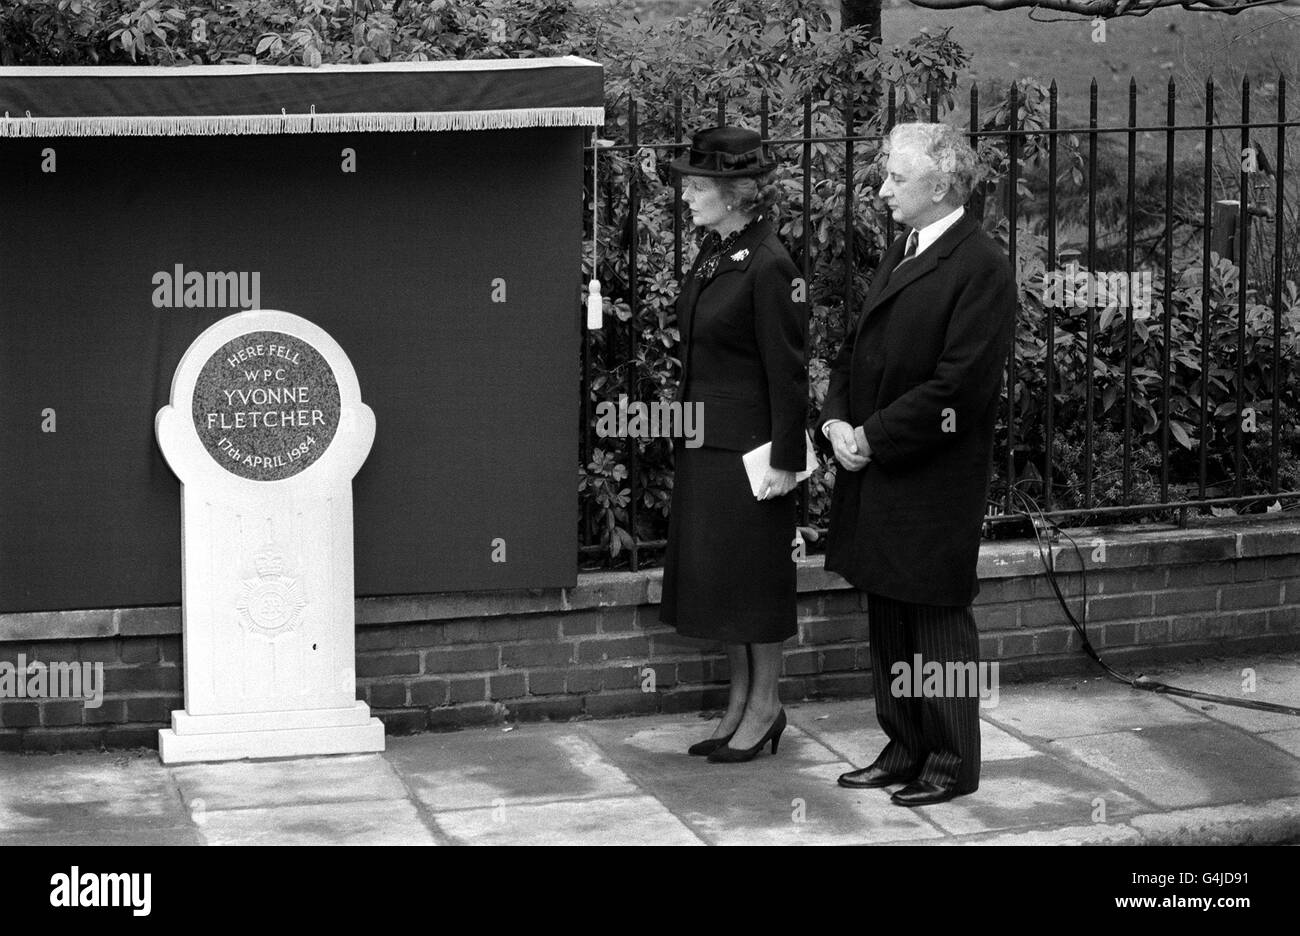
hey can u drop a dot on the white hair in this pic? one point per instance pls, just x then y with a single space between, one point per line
945 149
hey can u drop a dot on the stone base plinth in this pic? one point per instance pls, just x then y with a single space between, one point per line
302 733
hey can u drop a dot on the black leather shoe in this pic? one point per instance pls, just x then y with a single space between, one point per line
925 793
708 746
869 778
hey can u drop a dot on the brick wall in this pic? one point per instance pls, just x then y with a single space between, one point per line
597 650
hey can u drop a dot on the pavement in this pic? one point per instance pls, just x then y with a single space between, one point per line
1069 760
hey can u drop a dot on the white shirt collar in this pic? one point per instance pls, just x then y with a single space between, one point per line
931 232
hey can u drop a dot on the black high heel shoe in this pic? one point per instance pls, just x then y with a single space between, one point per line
730 755
703 748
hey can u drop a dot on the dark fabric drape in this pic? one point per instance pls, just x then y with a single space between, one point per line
400 260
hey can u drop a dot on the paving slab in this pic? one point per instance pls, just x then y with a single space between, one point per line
788 798
1190 765
1288 741
484 767
381 822
1251 720
1276 679
773 805
849 729
1267 679
85 792
290 782
1069 709
623 820
1032 793
999 745
666 738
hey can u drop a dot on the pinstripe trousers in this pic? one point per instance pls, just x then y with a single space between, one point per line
935 738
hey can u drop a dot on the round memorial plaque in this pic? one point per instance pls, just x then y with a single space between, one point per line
266 405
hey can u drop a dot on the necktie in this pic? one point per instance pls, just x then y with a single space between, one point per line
908 253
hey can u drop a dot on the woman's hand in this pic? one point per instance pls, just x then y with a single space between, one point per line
775 483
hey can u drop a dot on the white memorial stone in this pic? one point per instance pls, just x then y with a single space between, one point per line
265 430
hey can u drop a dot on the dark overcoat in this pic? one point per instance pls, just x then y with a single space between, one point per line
921 373
743 334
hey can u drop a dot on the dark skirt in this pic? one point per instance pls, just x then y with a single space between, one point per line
729 570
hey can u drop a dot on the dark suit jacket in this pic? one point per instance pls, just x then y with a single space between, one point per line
921 373
743 357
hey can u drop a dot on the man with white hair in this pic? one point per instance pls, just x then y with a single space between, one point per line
909 414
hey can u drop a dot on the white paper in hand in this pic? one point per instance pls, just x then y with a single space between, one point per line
758 460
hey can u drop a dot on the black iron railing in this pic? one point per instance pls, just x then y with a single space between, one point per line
1259 274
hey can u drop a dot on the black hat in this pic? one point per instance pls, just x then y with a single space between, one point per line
727 152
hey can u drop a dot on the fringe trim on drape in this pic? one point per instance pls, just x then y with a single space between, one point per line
514 118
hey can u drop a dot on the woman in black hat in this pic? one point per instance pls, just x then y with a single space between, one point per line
729 571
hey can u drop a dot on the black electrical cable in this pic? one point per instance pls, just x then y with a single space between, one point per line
1039 520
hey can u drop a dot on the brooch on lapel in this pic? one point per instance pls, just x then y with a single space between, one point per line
740 254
